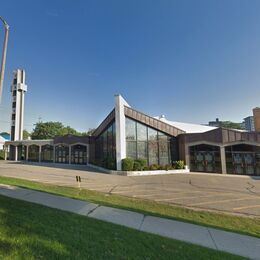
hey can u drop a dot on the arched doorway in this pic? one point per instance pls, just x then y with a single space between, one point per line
205 158
62 153
79 154
47 153
33 153
243 159
21 152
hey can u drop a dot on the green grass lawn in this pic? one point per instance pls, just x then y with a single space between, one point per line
243 225
31 231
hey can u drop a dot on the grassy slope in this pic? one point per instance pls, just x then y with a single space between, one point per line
30 231
243 225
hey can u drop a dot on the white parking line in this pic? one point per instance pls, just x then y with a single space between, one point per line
194 197
221 201
247 207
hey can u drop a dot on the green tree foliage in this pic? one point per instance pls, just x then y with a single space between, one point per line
26 135
2 155
229 124
89 132
48 130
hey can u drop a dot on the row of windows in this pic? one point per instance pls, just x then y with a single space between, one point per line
78 153
105 144
146 143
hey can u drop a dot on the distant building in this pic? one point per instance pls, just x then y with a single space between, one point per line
2 142
248 124
226 124
216 123
5 136
256 113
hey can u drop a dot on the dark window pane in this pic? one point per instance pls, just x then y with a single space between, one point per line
104 137
130 126
114 140
110 141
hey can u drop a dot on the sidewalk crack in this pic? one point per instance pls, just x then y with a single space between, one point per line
214 242
142 222
92 210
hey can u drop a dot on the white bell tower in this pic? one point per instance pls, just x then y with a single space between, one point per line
18 89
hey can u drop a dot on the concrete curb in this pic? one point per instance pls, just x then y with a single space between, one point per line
139 173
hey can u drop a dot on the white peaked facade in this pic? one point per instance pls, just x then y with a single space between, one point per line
18 89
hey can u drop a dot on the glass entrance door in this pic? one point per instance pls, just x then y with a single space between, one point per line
204 161
244 163
79 154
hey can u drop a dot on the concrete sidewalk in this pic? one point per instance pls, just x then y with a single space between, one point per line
208 237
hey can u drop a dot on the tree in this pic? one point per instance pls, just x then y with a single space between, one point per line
229 124
26 135
70 131
48 130
90 131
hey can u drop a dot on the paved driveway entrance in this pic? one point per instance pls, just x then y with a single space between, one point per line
204 191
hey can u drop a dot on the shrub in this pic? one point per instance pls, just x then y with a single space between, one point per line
109 163
154 167
127 164
179 164
2 155
168 167
139 164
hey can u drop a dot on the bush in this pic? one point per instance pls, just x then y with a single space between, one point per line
154 167
139 164
168 167
110 163
127 164
2 155
179 165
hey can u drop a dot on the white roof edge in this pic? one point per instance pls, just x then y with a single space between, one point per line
187 127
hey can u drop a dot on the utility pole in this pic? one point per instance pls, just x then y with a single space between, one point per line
2 72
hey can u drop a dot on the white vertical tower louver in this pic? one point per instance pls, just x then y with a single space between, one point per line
18 89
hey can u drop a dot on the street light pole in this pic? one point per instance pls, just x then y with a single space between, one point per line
2 72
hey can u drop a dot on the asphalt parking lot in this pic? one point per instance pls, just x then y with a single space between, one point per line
235 194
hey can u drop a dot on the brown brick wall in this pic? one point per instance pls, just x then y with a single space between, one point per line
256 113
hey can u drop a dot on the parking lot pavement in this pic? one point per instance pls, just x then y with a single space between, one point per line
235 194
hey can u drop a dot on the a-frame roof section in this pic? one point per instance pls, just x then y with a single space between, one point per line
152 122
108 120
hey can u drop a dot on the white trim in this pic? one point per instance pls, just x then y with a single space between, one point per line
120 104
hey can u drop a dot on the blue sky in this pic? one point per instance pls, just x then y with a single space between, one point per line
192 61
